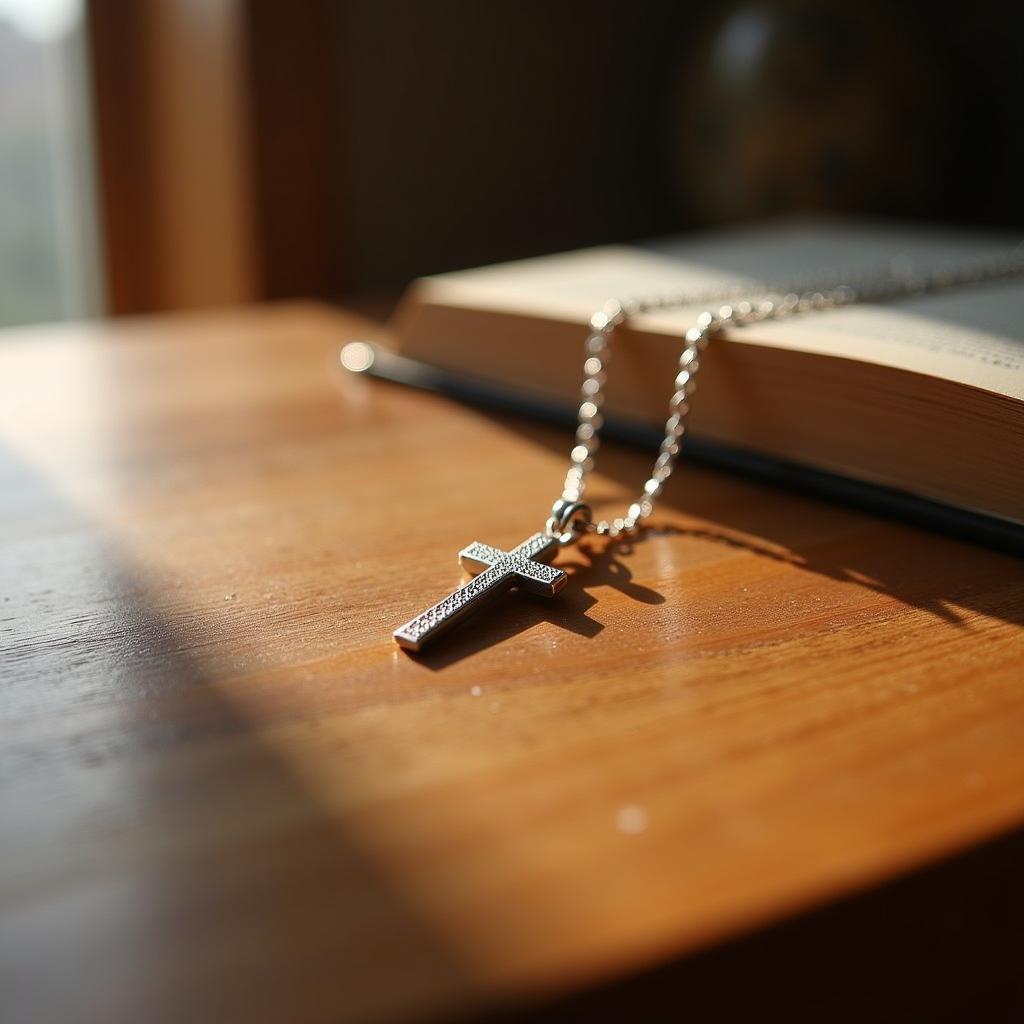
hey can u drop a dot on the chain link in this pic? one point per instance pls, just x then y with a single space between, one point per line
898 279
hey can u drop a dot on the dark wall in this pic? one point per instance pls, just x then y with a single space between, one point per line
480 132
458 133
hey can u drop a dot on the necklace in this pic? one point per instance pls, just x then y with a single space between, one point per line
525 566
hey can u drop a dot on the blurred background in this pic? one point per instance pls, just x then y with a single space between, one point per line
169 154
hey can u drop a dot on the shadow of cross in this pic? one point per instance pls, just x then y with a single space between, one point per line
495 571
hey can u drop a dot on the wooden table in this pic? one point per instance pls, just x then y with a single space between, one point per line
228 797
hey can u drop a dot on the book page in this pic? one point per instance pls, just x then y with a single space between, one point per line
973 335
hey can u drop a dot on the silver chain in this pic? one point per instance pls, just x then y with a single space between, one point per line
570 516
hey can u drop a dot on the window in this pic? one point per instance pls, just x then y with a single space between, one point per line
49 254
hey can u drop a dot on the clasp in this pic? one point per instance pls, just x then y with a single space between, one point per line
568 521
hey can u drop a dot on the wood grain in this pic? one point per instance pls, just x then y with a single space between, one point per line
227 796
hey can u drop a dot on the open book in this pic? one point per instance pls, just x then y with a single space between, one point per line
922 397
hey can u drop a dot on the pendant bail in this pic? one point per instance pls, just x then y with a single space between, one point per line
568 521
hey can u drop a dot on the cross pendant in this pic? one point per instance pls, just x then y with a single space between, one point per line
494 571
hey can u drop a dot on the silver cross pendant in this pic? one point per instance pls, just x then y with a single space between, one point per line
494 571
